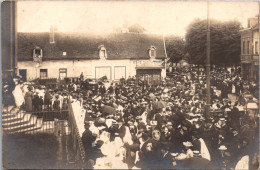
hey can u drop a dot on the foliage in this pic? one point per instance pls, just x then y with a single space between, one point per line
224 42
175 48
136 28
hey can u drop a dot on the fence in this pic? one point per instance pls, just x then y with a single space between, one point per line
76 140
19 121
51 115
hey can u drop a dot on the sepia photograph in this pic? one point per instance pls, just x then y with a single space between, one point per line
126 84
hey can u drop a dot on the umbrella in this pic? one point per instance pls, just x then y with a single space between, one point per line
159 105
108 110
196 163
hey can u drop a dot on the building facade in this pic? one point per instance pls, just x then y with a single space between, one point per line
250 50
116 56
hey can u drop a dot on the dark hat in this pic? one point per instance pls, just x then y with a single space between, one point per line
165 146
141 126
120 119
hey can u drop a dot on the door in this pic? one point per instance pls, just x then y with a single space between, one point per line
23 73
63 73
103 71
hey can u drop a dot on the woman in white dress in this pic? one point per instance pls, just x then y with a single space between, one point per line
18 94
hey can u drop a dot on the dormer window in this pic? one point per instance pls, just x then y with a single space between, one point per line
102 52
152 52
37 53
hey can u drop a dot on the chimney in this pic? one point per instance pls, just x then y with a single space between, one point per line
52 30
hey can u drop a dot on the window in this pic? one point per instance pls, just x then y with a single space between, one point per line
244 46
256 47
248 43
64 53
152 51
102 52
119 72
37 53
103 71
63 73
43 73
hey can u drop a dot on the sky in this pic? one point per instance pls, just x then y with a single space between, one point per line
158 17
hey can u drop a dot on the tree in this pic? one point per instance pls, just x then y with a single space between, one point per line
224 42
136 28
175 48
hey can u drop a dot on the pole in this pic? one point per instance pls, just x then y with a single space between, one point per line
208 64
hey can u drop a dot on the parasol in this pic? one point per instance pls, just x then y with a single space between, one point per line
108 110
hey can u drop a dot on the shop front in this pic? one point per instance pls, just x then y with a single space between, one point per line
149 76
149 73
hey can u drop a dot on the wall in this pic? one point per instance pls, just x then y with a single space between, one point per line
75 67
256 38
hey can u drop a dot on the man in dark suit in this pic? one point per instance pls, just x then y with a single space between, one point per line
87 139
36 99
159 117
166 157
117 129
47 100
121 128
103 90
111 89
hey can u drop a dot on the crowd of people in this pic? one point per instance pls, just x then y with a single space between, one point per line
161 126
33 97
132 124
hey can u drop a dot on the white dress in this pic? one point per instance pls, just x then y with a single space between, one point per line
18 95
243 163
204 150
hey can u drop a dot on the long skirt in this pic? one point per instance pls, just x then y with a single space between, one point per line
28 104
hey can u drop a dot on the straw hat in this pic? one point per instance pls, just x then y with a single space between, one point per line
222 148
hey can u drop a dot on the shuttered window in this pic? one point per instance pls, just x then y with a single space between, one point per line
43 73
119 72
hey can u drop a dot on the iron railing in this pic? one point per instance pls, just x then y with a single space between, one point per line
19 121
76 140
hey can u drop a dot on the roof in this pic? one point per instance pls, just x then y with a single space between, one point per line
150 65
85 46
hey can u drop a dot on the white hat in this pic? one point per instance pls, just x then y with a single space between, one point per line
222 148
222 119
174 154
196 153
187 144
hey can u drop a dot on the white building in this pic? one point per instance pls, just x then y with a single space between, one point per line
69 54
